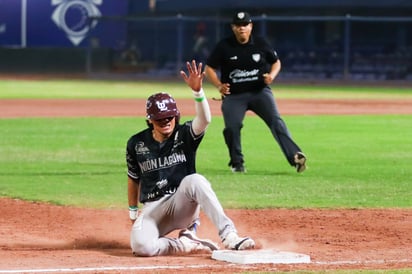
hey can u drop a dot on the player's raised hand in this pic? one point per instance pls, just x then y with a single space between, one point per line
195 78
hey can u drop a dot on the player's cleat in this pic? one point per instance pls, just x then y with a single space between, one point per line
234 242
190 246
300 162
192 243
240 168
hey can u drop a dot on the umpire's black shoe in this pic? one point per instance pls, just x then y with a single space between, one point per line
238 168
300 162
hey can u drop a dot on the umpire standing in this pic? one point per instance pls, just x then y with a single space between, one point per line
248 65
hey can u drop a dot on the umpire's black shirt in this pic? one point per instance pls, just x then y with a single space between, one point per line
243 65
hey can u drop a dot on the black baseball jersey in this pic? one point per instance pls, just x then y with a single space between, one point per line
243 65
160 167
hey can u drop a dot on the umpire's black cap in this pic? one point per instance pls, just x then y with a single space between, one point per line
241 18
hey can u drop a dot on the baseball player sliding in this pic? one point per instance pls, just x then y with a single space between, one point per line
161 162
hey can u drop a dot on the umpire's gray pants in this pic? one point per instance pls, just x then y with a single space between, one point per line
177 211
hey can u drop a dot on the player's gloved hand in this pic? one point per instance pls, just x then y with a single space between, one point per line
133 213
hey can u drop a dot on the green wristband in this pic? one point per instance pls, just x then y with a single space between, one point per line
133 207
199 99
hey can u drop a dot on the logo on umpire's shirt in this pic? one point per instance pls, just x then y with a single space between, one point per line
256 57
72 16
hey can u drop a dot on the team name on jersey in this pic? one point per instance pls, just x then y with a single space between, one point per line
162 162
239 75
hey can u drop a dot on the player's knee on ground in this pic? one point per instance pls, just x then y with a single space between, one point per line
143 249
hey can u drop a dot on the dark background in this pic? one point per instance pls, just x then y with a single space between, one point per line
338 40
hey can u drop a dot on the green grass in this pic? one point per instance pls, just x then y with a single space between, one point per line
354 162
79 88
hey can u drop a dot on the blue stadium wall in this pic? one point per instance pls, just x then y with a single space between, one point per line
58 35
275 7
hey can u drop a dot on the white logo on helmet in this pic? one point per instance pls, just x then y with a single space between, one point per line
161 105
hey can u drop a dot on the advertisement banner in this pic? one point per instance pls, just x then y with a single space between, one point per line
60 23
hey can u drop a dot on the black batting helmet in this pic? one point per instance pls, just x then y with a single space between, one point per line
161 105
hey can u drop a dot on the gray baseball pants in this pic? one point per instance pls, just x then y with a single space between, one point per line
177 211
